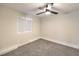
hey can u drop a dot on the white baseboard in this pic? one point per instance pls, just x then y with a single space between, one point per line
28 41
6 50
62 43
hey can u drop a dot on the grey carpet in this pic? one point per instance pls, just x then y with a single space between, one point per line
43 47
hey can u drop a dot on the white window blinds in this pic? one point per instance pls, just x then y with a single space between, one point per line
24 24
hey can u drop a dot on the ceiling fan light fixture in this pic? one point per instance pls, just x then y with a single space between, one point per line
49 7
47 13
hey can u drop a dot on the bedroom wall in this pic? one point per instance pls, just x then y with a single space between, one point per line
8 29
61 28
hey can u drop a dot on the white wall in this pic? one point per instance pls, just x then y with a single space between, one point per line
8 29
62 28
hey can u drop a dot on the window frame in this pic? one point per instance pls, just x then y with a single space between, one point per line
22 23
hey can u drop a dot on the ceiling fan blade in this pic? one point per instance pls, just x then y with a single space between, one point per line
52 11
40 13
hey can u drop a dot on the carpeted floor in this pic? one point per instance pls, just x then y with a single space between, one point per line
43 47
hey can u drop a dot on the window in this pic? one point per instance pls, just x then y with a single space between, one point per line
24 24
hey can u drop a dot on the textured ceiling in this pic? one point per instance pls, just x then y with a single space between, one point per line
32 8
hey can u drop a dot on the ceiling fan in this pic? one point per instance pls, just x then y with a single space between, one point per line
47 9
